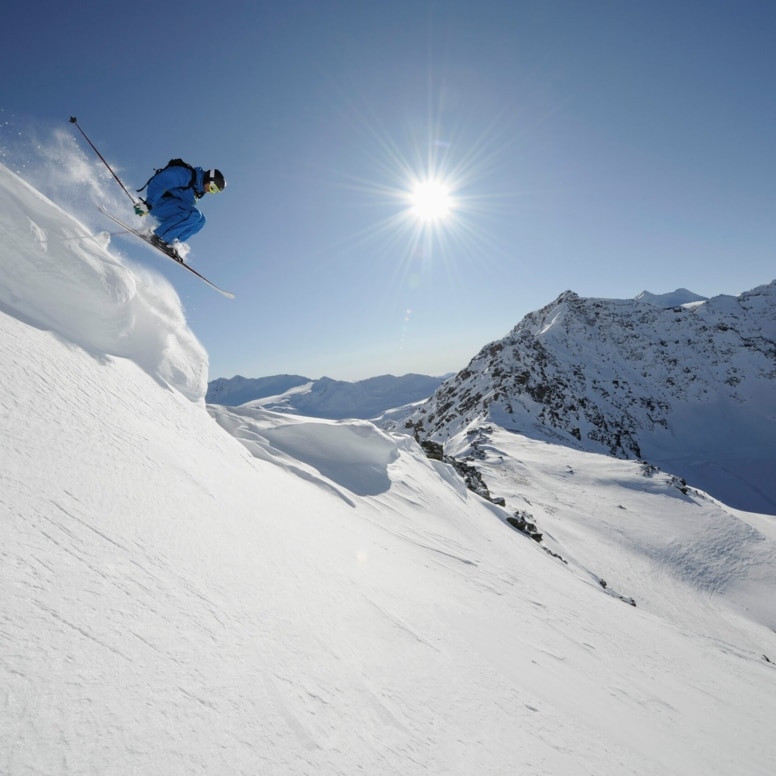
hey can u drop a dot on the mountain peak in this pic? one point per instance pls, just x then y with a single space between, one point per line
672 299
689 388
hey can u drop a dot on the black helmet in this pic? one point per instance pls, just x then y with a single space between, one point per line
217 177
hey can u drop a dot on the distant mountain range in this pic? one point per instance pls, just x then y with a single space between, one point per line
324 398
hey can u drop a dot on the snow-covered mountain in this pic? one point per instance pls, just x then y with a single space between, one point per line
324 398
672 299
244 591
688 387
233 391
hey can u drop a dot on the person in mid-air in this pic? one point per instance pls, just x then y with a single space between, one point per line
171 198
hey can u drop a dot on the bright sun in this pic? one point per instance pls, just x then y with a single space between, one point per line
431 201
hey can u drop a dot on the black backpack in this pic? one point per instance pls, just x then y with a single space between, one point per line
172 163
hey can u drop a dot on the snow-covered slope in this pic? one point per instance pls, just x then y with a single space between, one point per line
324 398
258 593
598 514
690 388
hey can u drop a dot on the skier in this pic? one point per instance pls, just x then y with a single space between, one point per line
171 199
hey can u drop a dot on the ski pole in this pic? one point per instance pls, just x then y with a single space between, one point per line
74 120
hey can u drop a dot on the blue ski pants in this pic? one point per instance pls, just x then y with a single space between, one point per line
178 220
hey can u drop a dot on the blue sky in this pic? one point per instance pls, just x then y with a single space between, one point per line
602 146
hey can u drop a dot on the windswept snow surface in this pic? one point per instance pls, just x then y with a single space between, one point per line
316 597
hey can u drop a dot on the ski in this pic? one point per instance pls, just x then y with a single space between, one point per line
178 260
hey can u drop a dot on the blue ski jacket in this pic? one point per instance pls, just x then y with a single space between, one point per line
178 183
171 197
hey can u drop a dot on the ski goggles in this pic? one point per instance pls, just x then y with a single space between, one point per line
210 181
